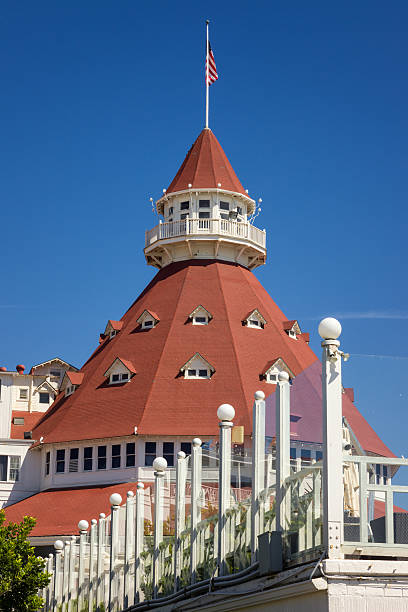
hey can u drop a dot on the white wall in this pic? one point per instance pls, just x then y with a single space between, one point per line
29 477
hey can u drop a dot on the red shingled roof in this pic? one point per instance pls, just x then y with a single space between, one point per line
161 402
75 378
58 511
205 166
116 325
30 421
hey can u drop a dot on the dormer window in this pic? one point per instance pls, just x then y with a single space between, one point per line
185 206
71 382
254 319
148 319
292 329
120 371
197 368
200 316
273 369
113 328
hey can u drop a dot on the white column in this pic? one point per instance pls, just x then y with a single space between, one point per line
130 503
100 561
65 576
196 473
333 513
139 535
83 527
159 465
58 577
225 414
181 474
115 501
50 588
282 503
92 574
258 470
71 571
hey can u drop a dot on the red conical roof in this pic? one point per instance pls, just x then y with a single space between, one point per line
205 166
158 399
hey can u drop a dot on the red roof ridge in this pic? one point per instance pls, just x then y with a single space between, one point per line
75 378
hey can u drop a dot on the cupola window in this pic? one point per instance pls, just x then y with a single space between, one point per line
148 319
272 370
183 216
200 316
112 328
71 382
204 203
197 368
171 210
185 206
292 329
120 371
254 319
224 205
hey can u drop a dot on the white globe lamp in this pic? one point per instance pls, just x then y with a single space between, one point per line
115 499
225 412
160 464
329 328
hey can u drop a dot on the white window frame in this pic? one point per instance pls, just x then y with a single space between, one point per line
292 334
9 468
112 333
23 399
69 390
152 321
250 322
197 376
121 379
200 316
274 374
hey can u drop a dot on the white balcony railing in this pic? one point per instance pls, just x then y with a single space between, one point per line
216 227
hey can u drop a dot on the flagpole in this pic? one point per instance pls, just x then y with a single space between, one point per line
207 87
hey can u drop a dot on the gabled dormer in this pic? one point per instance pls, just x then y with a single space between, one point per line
273 369
254 319
148 319
46 393
112 328
71 382
200 316
120 371
292 329
198 368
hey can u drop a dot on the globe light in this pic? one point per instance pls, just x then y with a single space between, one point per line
83 525
115 499
329 328
283 376
226 412
259 395
58 545
197 442
159 464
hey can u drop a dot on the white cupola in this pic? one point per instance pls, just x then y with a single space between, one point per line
206 213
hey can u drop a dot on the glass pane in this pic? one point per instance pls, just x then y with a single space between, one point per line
150 447
3 467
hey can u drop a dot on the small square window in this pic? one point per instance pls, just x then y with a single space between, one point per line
113 333
224 205
319 455
224 216
23 394
101 457
192 372
254 322
203 373
148 323
186 447
55 373
184 216
18 421
44 398
201 320
125 376
204 204
204 215
185 206
115 377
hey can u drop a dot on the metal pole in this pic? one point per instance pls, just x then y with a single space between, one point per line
196 473
181 474
207 88
258 470
159 465
282 503
333 505
115 501
225 414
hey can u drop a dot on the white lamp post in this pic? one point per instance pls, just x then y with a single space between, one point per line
225 413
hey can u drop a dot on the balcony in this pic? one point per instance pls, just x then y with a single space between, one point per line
241 232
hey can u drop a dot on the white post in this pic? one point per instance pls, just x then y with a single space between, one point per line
139 535
58 578
65 577
282 503
159 465
225 414
181 474
50 588
130 502
91 589
333 512
71 571
258 470
115 500
207 88
100 562
83 527
196 473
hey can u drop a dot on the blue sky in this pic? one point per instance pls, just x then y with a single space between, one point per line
99 104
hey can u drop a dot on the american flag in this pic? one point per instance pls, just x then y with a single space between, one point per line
211 74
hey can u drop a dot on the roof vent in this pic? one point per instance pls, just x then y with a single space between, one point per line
20 368
3 369
28 435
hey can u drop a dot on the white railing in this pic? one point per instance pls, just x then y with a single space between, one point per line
216 227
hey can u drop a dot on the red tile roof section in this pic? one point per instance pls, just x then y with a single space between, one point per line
128 364
75 378
161 402
205 166
116 325
58 511
287 325
30 421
